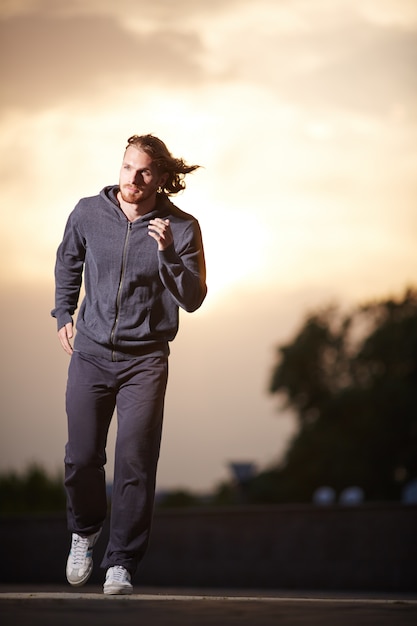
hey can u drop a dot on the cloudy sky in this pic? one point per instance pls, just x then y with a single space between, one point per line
304 116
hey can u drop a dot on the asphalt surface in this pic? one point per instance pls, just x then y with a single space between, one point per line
64 606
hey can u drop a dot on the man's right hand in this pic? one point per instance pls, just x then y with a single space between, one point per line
65 334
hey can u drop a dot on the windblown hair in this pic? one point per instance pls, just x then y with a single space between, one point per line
165 162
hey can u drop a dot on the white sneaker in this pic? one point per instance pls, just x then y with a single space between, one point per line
80 559
117 581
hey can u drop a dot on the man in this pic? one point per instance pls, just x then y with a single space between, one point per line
141 258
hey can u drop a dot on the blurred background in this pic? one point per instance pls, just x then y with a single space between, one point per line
303 116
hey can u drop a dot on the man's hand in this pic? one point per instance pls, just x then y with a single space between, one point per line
65 334
161 231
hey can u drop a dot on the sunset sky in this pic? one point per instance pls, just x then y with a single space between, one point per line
303 114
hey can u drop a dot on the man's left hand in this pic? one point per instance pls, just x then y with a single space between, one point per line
161 231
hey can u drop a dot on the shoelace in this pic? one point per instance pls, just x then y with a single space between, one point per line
79 549
119 574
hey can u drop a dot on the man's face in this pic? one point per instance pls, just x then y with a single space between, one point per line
139 178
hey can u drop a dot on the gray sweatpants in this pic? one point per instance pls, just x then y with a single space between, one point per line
95 388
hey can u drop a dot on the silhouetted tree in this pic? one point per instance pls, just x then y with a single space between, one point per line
352 381
178 498
32 491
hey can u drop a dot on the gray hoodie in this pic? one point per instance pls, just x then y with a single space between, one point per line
132 290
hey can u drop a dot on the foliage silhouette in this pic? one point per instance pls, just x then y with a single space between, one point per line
178 498
33 491
352 383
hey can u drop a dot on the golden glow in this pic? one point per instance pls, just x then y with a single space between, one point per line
302 116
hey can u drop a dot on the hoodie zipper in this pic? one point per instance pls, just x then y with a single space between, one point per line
119 290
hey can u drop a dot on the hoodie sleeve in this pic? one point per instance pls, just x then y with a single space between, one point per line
68 272
183 271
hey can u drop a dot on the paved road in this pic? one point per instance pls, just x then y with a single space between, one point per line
63 607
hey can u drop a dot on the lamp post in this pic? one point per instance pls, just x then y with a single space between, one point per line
243 472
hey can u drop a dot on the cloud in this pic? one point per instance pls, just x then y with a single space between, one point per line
345 55
402 13
320 55
159 9
367 69
49 60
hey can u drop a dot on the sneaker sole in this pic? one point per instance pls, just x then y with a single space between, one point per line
113 591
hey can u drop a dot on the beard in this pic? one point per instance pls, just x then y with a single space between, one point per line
134 195
129 194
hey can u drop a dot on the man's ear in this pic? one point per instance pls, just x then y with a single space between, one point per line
163 179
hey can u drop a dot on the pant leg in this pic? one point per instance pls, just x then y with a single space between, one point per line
90 403
140 404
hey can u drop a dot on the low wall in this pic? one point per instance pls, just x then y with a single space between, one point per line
368 547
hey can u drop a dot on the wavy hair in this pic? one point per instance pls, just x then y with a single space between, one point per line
165 162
